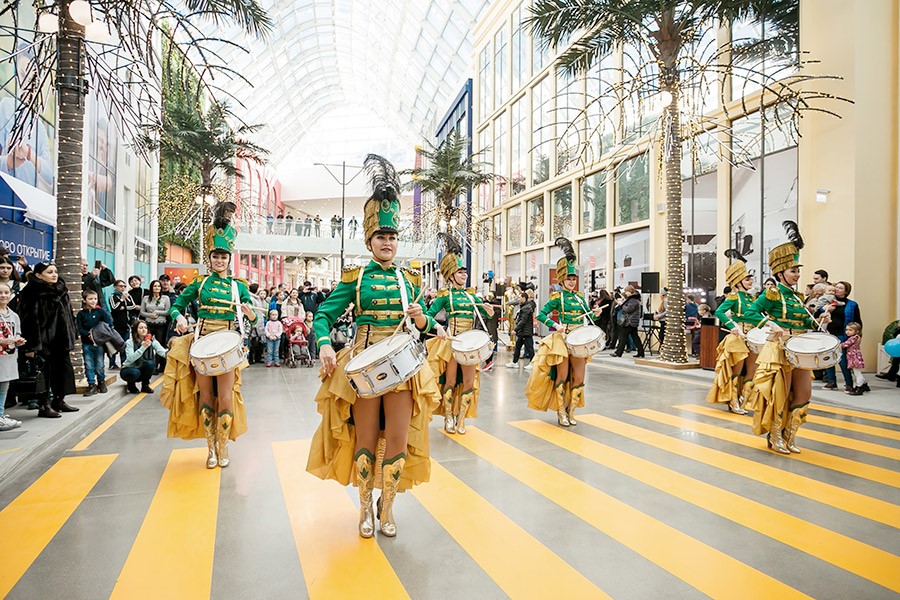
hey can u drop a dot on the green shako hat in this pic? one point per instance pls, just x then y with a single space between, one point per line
382 209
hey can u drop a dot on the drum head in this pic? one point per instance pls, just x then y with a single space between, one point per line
214 344
470 340
812 343
584 335
759 335
377 351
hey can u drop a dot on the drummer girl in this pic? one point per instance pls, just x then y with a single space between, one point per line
459 383
356 433
216 411
735 362
557 380
780 395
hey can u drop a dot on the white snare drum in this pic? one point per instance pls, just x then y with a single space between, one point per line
217 353
756 338
472 347
813 351
585 341
385 366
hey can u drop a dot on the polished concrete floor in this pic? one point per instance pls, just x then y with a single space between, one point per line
655 494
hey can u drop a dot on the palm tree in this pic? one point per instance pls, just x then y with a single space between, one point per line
451 172
666 30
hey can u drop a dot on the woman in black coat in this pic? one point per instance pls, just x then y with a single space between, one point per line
48 327
631 320
524 330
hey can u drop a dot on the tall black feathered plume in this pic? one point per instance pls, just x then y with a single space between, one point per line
735 255
382 176
222 214
450 243
793 233
566 246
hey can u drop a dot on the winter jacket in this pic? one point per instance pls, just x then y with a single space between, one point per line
135 353
86 320
525 319
104 333
48 323
631 309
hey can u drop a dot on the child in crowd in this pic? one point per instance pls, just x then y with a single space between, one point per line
311 336
94 355
274 331
855 361
10 340
827 298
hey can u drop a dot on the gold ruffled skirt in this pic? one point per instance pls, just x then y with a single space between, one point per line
181 394
439 354
770 395
541 387
727 384
334 443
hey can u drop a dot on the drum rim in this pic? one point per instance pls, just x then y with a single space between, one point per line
198 345
600 333
356 369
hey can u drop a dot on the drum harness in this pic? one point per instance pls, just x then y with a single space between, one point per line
404 301
235 297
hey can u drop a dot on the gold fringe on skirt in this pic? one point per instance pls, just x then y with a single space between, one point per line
770 392
439 354
541 388
181 394
333 445
727 384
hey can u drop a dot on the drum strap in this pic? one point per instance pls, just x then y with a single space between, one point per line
404 300
584 304
474 308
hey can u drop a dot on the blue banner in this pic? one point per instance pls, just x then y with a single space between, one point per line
36 246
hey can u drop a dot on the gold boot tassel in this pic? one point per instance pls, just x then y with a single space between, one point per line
208 417
224 429
447 403
365 480
561 417
798 415
776 440
392 469
576 399
465 400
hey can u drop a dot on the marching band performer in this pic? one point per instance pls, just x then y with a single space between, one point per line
738 314
557 379
382 441
780 395
459 383
216 410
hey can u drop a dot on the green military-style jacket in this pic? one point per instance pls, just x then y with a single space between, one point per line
376 295
743 310
784 307
207 290
458 306
571 307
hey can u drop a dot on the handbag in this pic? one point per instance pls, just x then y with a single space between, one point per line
31 383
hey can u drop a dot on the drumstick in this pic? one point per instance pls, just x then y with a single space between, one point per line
230 303
416 301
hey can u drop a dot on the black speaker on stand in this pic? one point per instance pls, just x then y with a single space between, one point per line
650 282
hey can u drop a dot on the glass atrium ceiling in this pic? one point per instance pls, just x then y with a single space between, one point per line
400 62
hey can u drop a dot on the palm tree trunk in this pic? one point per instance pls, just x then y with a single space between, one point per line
71 92
673 348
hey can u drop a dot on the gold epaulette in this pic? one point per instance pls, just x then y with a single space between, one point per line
350 274
443 293
471 290
414 277
773 294
556 295
732 296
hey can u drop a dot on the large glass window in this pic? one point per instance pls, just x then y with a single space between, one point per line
514 227
514 267
533 261
496 243
633 190
501 156
600 105
698 218
593 202
592 255
631 256
561 212
535 208
485 94
143 212
568 121
101 165
540 55
542 145
519 49
101 245
519 150
487 156
501 75
766 52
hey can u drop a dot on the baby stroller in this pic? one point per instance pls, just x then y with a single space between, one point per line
298 346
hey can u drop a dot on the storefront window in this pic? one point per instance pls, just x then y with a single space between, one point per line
496 243
514 267
634 190
631 256
698 217
561 212
533 261
514 227
535 208
101 245
542 145
592 255
593 202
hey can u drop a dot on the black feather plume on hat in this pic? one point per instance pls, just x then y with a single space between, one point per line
566 246
451 245
735 255
222 214
793 233
382 176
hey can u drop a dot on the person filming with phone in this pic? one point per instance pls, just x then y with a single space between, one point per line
141 350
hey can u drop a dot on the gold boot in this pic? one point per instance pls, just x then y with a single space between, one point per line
576 398
224 429
776 441
798 415
561 416
447 402
734 405
465 400
392 470
208 417
365 480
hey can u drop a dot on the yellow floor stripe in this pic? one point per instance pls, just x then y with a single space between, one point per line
857 427
832 495
30 521
643 373
847 553
336 562
518 563
92 437
812 457
710 571
856 413
172 556
805 433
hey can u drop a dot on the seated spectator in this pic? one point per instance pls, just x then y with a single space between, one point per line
141 350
